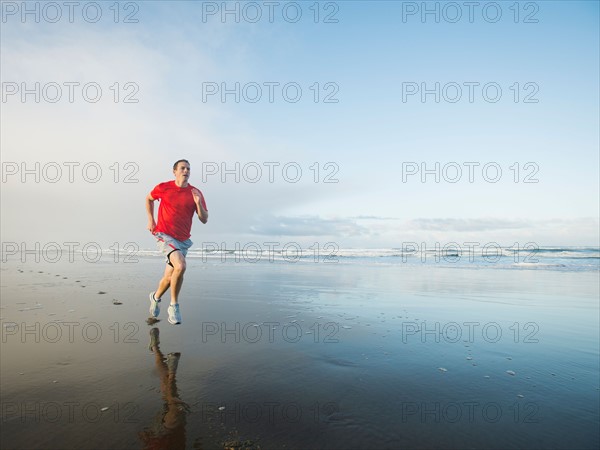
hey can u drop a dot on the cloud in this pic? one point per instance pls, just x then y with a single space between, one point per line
381 232
373 218
467 225
307 226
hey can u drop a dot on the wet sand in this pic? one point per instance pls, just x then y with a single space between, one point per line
306 355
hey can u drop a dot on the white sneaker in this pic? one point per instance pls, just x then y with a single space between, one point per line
174 314
154 305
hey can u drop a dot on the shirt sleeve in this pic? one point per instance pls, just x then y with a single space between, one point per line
157 192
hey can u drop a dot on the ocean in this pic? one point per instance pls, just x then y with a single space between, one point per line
466 255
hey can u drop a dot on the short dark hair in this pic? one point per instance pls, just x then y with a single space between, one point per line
178 161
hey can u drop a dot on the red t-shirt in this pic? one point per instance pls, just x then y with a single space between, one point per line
177 209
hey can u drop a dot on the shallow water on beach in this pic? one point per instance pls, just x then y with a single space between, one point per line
305 355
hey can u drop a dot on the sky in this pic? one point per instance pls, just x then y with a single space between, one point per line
366 124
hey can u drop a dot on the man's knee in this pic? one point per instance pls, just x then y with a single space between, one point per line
178 261
181 267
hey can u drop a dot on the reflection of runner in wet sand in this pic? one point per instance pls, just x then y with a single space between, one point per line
168 430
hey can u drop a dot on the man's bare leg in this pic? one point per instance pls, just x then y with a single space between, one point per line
165 282
178 261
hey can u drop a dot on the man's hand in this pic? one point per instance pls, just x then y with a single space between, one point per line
197 196
151 225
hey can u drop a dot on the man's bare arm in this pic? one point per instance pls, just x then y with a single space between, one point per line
202 213
150 212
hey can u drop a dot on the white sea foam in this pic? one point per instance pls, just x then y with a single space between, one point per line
542 258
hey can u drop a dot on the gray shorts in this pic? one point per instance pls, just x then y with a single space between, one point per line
168 244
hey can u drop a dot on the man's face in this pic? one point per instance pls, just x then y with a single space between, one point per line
182 172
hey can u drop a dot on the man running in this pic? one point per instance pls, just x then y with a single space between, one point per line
178 203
